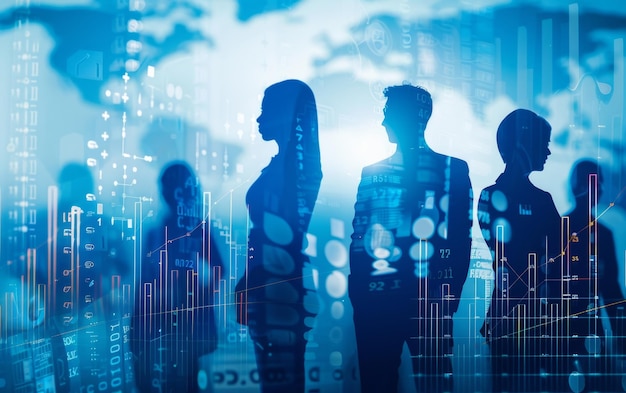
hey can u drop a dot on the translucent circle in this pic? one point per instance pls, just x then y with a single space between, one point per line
499 201
134 26
396 253
335 358
421 251
131 65
335 334
336 253
281 291
593 344
381 253
423 228
170 90
277 229
138 5
382 267
133 46
378 38
421 270
203 380
277 260
337 309
442 230
576 382
380 264
336 285
311 302
444 203
502 229
310 322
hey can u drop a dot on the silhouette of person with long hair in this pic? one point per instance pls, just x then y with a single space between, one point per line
410 251
272 296
521 226
592 274
174 324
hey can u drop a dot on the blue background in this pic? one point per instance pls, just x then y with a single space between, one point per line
127 86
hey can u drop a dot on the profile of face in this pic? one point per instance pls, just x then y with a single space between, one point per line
274 121
523 140
580 178
539 153
406 113
393 121
289 117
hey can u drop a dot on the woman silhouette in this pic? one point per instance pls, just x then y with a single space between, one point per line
521 226
271 293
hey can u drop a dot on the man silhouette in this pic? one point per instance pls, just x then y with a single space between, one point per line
521 226
410 251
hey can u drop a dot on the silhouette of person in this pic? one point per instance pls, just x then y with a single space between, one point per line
274 301
85 300
410 251
593 273
173 324
521 226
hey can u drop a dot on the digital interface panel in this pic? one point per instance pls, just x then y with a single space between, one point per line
140 192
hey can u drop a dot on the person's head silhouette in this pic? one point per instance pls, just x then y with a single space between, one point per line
407 112
75 183
523 138
179 186
289 117
579 180
283 104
